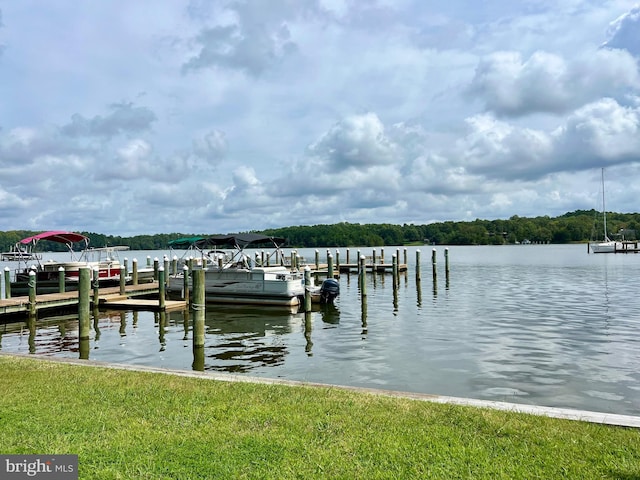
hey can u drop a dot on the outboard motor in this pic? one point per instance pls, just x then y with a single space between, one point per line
329 290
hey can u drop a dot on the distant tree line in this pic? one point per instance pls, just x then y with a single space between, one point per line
573 227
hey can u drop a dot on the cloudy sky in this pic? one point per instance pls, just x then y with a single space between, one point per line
139 117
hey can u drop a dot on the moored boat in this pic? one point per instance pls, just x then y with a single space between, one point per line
232 275
47 273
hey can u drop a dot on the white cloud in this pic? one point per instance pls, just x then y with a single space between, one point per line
624 32
545 82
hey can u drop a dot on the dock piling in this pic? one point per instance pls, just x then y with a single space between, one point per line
123 279
7 282
32 293
134 274
61 283
307 289
84 288
161 288
185 283
198 312
96 286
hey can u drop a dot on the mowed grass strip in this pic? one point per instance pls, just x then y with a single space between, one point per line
141 425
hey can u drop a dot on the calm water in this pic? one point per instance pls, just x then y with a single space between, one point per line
547 325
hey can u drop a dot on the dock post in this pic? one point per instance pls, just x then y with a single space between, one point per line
338 260
123 278
433 265
166 268
134 274
174 265
418 275
32 292
96 286
156 266
148 260
61 285
317 260
446 260
329 265
198 309
185 278
307 289
347 257
7 282
126 266
363 276
394 269
161 288
84 287
405 257
358 262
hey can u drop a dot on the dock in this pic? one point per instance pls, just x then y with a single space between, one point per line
109 297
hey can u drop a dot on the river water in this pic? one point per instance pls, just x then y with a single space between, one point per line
536 324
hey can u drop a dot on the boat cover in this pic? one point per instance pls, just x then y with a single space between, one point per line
242 240
185 242
56 236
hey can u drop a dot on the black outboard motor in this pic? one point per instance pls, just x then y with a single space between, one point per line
329 290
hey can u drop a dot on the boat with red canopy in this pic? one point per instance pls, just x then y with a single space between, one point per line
47 272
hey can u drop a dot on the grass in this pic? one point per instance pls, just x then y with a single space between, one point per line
141 425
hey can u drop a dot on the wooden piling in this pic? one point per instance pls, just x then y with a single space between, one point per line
446 260
363 276
134 273
198 312
329 265
96 286
84 295
161 288
32 292
165 262
433 264
174 265
7 282
156 267
394 264
317 260
123 279
185 284
418 274
307 289
61 282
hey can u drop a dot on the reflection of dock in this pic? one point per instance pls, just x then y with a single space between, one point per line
107 297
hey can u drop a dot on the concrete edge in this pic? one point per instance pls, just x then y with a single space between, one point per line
553 412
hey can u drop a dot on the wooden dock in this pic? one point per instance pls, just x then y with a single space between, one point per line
109 297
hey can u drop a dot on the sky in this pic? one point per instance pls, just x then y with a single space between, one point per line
143 117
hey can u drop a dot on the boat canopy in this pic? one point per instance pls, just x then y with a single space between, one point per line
56 236
185 242
243 240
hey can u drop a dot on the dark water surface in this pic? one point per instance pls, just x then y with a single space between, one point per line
547 325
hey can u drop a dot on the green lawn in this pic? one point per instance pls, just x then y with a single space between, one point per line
141 425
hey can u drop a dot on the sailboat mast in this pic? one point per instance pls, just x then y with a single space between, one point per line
604 210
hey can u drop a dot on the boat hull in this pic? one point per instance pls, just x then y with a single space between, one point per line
258 286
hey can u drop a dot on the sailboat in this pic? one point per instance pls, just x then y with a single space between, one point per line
608 245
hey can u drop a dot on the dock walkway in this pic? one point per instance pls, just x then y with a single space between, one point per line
107 297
